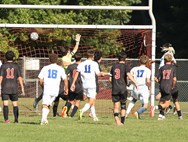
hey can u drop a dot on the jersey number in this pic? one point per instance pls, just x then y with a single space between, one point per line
117 75
87 69
52 74
140 73
10 73
166 74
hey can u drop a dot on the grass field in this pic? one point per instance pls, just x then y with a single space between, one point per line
146 129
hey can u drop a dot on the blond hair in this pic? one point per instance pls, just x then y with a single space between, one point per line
168 58
168 49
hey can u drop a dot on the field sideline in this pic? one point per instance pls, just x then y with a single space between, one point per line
70 129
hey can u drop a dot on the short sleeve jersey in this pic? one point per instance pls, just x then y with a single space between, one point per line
165 76
10 72
71 70
140 74
88 69
52 75
119 78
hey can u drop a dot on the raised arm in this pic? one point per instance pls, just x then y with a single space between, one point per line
77 39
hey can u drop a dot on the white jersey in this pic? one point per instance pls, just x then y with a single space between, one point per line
52 75
88 69
0 63
162 59
140 74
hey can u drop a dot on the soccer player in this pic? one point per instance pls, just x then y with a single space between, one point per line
75 97
50 77
142 75
67 54
88 69
61 93
10 73
120 72
167 80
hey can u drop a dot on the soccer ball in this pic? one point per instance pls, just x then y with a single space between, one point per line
34 36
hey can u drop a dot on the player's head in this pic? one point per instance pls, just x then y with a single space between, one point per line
90 53
78 57
53 58
60 62
9 55
97 55
167 47
143 60
65 50
122 56
168 58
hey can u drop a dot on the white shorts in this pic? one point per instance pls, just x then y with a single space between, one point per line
90 92
48 99
141 94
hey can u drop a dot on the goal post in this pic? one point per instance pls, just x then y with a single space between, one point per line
141 28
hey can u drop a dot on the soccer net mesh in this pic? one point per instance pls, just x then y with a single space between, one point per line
33 54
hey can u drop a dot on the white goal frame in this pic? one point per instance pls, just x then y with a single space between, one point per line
149 8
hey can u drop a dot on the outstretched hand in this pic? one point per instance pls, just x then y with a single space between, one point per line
77 38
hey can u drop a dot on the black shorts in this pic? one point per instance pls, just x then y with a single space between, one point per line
165 96
75 96
12 97
175 93
119 97
62 96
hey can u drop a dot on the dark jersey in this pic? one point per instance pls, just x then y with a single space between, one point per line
119 78
10 72
97 79
71 70
61 87
165 76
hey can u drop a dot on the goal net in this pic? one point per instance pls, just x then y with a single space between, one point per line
32 55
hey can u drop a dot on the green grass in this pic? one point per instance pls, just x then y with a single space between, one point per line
86 130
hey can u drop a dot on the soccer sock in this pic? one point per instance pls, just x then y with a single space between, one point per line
130 106
5 112
74 111
158 107
93 111
161 112
68 104
39 98
86 107
141 110
54 110
45 112
179 113
16 113
122 119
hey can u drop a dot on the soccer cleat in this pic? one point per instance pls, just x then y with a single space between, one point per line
16 121
174 111
95 119
64 112
7 121
137 115
161 117
44 122
80 115
180 118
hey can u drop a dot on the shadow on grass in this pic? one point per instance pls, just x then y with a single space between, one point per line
31 123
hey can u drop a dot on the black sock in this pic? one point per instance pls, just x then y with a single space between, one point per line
122 119
16 113
5 112
54 110
160 107
74 111
179 113
68 104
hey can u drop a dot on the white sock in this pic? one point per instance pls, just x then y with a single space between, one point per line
45 112
93 111
85 108
130 106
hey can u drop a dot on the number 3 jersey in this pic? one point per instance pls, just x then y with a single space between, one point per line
10 72
88 69
52 75
119 78
140 74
